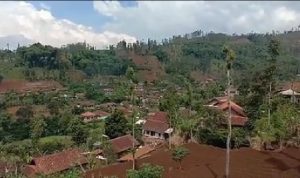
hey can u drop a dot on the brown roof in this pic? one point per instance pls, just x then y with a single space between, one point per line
238 118
140 153
156 126
158 122
290 85
55 162
101 113
87 114
208 162
123 143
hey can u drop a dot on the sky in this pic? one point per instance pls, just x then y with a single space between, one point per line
102 23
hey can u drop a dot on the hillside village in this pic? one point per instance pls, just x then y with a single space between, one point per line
81 112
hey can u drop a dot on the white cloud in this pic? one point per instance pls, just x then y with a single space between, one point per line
22 18
45 6
161 19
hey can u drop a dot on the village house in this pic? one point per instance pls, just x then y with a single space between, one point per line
122 144
238 116
290 90
157 126
54 163
108 107
86 104
93 116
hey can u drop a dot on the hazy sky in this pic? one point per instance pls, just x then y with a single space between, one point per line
106 22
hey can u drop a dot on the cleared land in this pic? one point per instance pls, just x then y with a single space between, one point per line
208 162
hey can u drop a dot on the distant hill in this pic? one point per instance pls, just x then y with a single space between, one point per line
190 55
13 41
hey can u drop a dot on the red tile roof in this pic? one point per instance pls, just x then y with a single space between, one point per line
157 122
238 118
159 116
101 113
140 153
123 143
156 126
55 162
88 114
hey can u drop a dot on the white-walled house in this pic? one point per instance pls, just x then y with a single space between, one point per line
157 126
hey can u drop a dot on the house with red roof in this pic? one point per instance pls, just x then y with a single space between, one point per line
157 126
92 116
122 144
238 116
54 163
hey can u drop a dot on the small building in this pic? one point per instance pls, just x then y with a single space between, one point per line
290 90
86 104
93 116
88 116
122 144
101 115
54 163
293 95
140 153
238 116
157 126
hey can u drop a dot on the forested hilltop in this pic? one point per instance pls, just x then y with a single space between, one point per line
196 53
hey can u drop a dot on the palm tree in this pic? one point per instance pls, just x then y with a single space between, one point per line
230 56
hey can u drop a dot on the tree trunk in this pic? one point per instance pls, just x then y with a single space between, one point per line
229 126
133 145
269 103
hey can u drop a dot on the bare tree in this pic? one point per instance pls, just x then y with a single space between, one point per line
229 56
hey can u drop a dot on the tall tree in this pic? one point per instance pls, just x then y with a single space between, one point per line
130 75
273 50
229 56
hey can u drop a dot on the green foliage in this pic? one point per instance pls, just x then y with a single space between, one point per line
108 152
282 126
215 137
38 125
146 171
93 92
54 143
38 55
1 78
116 125
179 153
77 130
54 106
162 56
